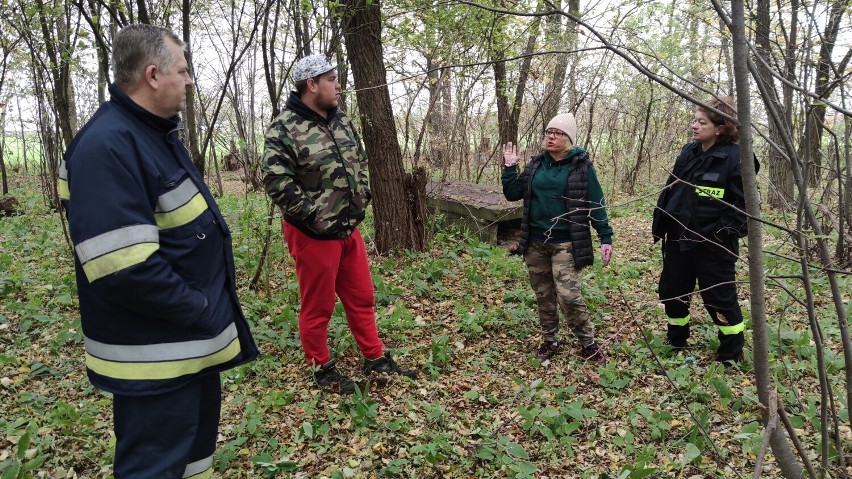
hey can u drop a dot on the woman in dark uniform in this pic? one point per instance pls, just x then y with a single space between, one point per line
699 218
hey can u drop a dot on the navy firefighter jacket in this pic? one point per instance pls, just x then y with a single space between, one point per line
155 268
703 197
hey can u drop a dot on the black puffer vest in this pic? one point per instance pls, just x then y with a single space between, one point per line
576 205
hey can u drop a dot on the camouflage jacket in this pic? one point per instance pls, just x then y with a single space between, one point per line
315 170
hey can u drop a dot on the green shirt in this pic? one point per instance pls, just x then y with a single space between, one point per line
548 199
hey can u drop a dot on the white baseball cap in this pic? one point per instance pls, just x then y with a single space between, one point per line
312 66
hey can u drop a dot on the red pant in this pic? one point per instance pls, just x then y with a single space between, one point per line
325 268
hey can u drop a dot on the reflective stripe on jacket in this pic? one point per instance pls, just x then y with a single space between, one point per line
155 268
705 194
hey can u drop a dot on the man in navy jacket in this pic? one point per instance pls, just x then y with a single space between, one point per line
155 268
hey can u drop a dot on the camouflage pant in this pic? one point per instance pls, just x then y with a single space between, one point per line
556 282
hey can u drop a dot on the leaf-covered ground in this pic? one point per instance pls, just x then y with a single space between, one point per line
463 313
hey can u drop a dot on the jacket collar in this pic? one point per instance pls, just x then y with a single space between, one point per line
576 154
120 98
295 104
717 150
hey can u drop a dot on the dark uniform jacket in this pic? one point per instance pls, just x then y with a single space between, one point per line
155 268
692 193
315 170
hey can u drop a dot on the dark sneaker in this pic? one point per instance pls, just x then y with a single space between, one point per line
386 364
328 377
594 353
547 350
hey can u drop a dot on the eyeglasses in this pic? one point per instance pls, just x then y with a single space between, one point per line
554 133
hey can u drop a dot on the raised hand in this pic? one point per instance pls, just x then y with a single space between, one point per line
510 154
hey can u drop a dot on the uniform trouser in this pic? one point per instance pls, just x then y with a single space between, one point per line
557 284
713 267
168 436
326 268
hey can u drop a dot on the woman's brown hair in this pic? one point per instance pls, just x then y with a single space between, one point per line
729 132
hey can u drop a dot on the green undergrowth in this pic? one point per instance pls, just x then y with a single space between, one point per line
463 314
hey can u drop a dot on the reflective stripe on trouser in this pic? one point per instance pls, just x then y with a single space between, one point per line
161 361
326 268
170 435
679 321
713 267
556 282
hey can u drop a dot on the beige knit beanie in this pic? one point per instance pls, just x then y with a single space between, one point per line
566 123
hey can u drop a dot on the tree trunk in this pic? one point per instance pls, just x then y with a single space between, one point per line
301 29
811 152
781 194
438 113
807 211
3 179
397 195
4 107
100 44
559 37
268 48
143 12
633 173
55 40
726 54
509 112
191 121
523 75
845 213
790 468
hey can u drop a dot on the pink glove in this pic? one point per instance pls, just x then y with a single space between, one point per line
510 154
606 253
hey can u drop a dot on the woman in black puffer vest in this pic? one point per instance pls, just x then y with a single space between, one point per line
562 199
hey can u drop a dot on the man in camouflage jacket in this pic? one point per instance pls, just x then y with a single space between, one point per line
315 170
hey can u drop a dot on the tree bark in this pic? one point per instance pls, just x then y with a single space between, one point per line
59 49
509 111
3 178
633 173
397 195
191 113
523 76
781 194
824 86
269 33
438 113
790 468
560 37
4 107
143 12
